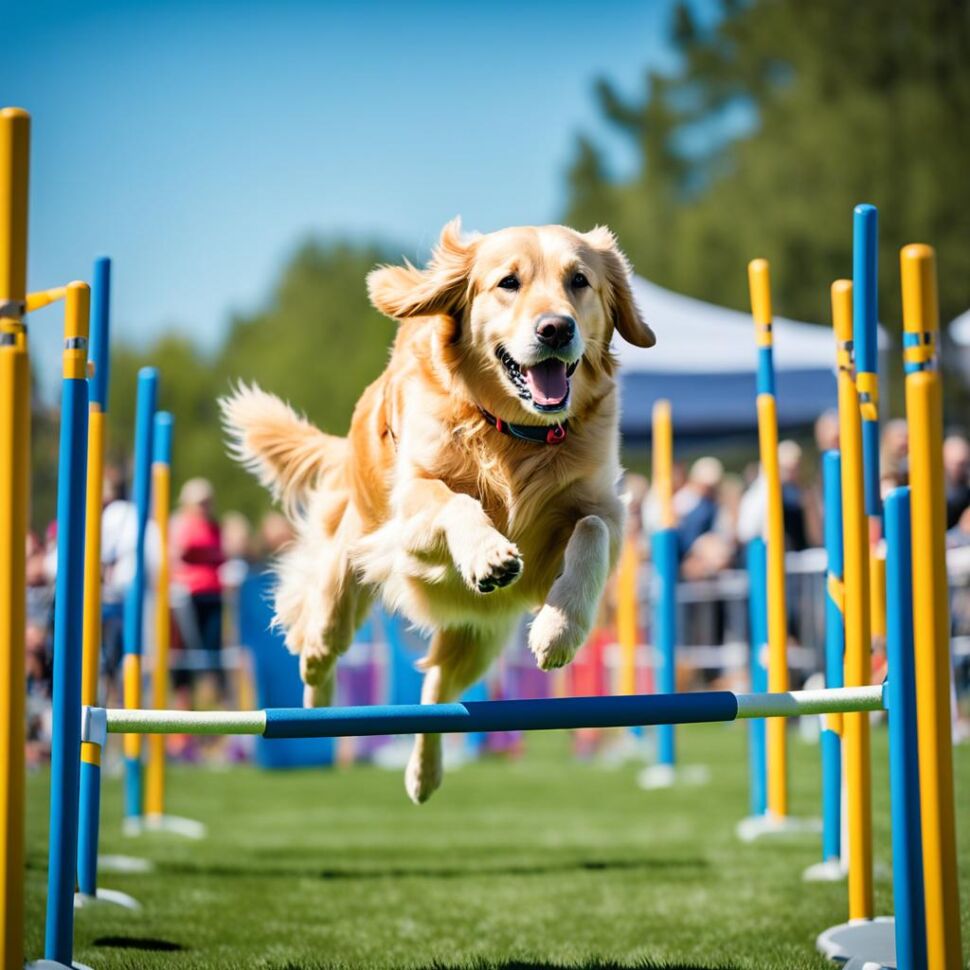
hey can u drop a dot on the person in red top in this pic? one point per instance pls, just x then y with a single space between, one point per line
197 554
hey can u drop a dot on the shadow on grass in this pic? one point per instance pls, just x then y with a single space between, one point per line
138 943
434 872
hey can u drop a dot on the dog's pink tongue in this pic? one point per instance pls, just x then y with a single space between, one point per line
547 382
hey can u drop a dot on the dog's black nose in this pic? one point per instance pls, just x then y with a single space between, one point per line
555 330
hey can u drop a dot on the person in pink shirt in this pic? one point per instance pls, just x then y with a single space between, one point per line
197 554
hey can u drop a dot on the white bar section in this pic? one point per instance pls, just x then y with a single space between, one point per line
185 722
797 703
94 725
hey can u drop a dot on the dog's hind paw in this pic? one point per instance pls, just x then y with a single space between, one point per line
422 777
554 638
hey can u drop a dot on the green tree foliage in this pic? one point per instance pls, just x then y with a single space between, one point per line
782 116
317 344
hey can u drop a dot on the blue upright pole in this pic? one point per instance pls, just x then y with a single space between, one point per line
98 356
903 746
135 600
68 619
865 313
834 656
757 562
666 565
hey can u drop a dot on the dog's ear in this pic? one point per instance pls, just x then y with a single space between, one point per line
441 288
626 316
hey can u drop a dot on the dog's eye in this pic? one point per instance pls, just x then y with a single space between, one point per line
579 281
510 283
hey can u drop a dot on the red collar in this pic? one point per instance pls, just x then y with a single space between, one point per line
550 435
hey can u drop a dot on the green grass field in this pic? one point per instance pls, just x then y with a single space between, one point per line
532 863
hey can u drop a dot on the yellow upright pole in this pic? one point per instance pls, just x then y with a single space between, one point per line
856 611
626 615
14 489
931 621
760 288
663 462
155 777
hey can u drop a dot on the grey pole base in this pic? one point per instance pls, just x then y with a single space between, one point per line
54 965
831 870
124 864
756 827
862 944
673 776
113 897
188 828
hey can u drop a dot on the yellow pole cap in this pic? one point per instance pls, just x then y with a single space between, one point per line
759 284
77 309
917 263
842 310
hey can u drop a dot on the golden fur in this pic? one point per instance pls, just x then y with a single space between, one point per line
427 504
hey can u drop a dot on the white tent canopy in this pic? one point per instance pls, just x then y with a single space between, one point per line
705 361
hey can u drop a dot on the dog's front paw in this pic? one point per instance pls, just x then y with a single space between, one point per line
316 672
554 638
422 777
492 562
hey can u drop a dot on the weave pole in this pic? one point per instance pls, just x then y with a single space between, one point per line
68 627
758 625
135 599
931 620
14 491
904 771
155 818
760 287
856 611
830 869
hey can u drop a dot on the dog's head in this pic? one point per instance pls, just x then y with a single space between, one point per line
528 313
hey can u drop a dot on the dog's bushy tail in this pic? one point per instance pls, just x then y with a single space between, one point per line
282 448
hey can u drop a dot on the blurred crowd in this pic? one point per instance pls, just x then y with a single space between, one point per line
209 558
719 512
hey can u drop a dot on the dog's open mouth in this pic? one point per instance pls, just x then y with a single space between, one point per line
545 384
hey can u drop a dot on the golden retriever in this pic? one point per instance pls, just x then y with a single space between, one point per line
479 478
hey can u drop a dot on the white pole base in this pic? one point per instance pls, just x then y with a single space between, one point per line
112 896
861 944
670 776
756 827
124 864
831 870
188 828
54 965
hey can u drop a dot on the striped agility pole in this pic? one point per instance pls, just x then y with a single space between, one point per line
931 620
758 626
831 739
14 490
162 492
545 714
98 356
777 756
68 630
856 611
666 566
904 773
135 598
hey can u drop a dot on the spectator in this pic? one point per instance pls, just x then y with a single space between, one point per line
695 502
792 497
894 454
956 477
827 431
196 557
119 543
275 534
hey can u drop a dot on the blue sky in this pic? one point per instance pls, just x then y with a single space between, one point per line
198 143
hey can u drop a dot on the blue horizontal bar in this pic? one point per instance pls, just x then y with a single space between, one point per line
528 715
